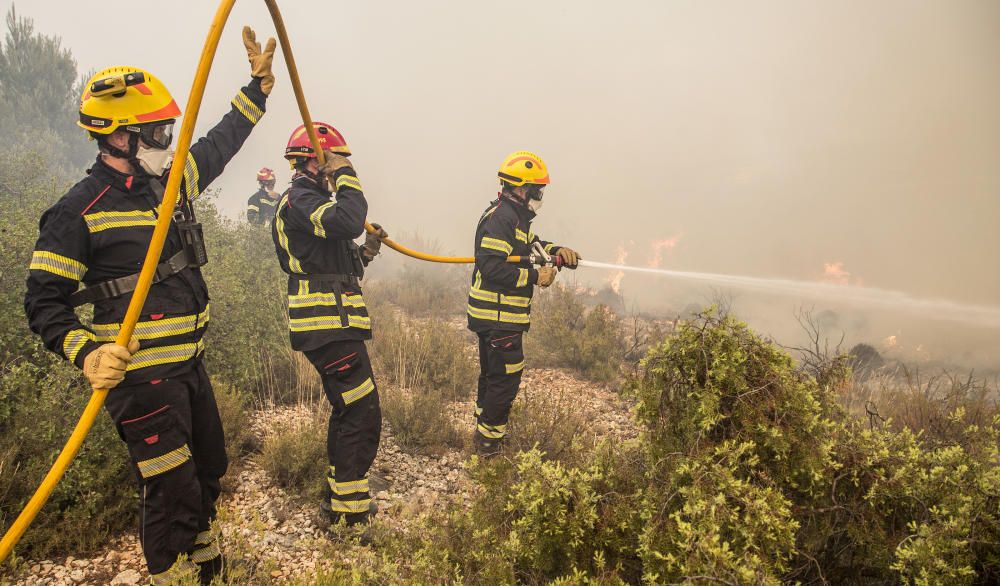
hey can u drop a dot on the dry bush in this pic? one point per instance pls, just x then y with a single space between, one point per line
295 456
553 424
566 334
928 403
234 410
419 420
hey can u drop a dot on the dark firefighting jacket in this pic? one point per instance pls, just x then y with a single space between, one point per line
100 230
313 235
260 207
500 294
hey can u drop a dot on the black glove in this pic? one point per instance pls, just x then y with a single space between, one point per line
373 243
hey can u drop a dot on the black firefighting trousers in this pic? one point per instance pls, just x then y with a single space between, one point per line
501 361
175 440
355 425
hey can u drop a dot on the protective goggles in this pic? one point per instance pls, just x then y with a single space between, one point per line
536 191
157 135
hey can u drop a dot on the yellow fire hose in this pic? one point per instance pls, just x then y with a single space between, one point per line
166 210
166 214
300 99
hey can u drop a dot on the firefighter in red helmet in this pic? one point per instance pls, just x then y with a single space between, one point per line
314 228
260 206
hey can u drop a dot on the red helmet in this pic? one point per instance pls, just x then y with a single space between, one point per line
329 138
265 174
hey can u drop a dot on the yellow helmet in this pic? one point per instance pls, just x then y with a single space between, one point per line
523 167
124 96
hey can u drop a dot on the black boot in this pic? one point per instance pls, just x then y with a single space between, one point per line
486 447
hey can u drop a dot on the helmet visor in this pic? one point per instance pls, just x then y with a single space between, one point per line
158 135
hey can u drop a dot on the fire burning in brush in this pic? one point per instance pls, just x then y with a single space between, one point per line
659 246
835 274
621 253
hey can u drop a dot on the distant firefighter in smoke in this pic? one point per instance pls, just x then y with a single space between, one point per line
500 294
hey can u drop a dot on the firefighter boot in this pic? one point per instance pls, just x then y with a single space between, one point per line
486 447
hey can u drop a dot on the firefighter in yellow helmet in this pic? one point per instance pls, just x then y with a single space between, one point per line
499 308
97 235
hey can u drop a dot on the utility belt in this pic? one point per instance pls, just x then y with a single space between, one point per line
193 254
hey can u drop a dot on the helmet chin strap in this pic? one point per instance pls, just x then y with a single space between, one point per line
129 155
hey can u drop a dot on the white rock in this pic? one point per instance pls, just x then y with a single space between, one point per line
127 577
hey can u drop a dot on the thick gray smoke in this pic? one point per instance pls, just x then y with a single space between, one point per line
848 141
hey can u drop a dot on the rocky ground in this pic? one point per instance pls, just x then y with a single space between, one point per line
287 536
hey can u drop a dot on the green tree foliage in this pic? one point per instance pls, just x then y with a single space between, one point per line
40 90
747 472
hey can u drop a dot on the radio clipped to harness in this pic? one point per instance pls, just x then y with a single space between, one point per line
193 242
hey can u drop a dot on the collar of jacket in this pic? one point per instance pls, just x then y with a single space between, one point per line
306 181
519 206
121 181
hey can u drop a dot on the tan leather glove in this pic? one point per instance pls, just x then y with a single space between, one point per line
373 242
569 257
332 163
546 275
105 366
260 60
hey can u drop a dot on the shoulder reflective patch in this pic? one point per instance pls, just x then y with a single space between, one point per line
521 235
496 244
57 264
101 221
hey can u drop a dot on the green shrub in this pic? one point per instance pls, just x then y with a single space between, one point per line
247 339
39 407
565 334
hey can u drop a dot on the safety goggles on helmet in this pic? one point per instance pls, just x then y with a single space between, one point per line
157 135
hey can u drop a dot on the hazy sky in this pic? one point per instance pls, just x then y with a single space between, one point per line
772 137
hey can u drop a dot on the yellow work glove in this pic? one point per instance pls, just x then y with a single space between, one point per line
105 366
373 242
569 257
333 162
260 61
546 275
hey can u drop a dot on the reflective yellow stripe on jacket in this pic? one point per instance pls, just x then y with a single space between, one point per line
153 329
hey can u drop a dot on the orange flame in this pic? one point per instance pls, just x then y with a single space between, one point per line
836 274
621 254
659 246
